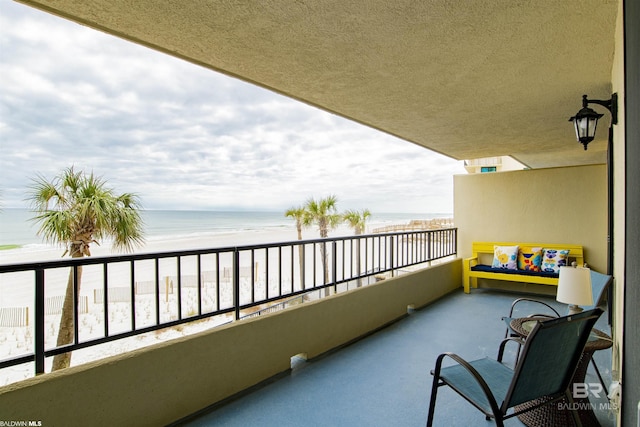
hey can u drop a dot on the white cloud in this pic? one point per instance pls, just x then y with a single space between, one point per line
182 136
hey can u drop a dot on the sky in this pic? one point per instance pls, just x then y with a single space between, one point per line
184 137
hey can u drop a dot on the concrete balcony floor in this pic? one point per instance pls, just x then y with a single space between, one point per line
384 379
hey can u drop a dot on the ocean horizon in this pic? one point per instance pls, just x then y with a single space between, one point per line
16 228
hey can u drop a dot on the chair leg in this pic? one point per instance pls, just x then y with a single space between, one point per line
432 402
574 412
518 354
593 362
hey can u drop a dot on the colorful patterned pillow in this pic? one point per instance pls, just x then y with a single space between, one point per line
505 257
553 259
529 258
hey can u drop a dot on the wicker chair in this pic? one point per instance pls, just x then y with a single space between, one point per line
544 371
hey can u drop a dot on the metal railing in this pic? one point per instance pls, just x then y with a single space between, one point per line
136 294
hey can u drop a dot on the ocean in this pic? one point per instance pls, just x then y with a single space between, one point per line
17 229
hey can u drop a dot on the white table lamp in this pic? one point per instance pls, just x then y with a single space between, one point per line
574 288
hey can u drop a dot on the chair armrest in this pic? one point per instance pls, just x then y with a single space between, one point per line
476 375
519 300
503 344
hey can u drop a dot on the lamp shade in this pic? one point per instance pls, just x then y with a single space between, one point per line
574 286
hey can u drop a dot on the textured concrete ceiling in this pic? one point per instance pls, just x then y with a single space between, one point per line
468 79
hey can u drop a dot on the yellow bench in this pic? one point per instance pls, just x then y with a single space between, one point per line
485 249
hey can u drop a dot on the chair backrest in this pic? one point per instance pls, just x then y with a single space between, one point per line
549 358
599 288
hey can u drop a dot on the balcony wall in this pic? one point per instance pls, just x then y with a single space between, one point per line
555 205
163 383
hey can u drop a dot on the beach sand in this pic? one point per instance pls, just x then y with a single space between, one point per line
17 292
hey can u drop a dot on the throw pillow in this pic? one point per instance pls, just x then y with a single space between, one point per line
553 259
529 258
505 257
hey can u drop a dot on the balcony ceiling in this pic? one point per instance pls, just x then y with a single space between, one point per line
465 79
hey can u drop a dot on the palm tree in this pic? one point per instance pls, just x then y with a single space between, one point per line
298 213
357 220
323 212
75 210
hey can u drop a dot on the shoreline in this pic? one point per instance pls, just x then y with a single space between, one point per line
47 252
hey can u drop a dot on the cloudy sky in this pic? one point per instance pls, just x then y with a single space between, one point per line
184 137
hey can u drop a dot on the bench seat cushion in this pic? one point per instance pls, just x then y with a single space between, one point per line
489 269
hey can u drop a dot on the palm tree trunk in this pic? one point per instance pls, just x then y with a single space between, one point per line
66 329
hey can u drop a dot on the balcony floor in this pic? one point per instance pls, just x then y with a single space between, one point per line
384 379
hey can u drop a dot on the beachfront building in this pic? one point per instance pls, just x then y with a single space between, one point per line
493 164
470 80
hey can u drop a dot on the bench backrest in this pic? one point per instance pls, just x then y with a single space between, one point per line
575 251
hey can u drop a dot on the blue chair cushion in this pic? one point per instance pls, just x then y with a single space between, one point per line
489 269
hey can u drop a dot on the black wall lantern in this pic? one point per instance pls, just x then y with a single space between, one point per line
586 120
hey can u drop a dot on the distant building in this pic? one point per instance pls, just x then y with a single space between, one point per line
493 164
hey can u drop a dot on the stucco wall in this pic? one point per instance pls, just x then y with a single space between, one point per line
558 205
166 382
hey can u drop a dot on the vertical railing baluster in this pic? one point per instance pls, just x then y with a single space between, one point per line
179 280
344 259
253 278
334 262
166 289
412 257
293 279
407 249
315 274
133 294
392 254
455 240
39 335
199 274
366 255
303 275
76 320
218 281
105 286
385 241
266 271
236 282
280 271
